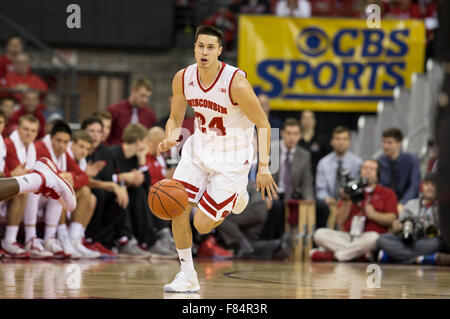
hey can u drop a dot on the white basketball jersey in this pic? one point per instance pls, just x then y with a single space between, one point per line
218 119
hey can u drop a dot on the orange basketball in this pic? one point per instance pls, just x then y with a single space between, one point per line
167 199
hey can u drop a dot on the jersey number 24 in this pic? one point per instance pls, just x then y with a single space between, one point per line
216 124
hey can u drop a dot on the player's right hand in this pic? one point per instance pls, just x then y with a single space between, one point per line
165 145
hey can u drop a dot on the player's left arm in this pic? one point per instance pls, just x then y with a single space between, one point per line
242 93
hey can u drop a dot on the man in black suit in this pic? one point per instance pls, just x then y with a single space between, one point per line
294 179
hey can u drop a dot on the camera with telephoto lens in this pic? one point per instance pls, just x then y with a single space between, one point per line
408 232
354 188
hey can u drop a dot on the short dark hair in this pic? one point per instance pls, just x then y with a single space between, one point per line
341 129
90 120
395 133
3 114
290 121
31 91
430 177
59 126
12 36
6 99
209 30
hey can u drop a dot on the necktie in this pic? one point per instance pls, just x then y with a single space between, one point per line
393 181
338 183
287 177
134 115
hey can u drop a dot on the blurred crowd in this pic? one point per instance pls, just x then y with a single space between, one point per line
226 17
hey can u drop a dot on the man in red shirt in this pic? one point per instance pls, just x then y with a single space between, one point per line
14 46
135 109
30 105
361 223
21 78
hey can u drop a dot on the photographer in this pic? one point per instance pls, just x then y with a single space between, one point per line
365 210
416 231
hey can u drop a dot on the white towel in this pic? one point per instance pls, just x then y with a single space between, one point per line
25 155
2 154
60 162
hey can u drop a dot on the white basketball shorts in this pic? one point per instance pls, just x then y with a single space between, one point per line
213 179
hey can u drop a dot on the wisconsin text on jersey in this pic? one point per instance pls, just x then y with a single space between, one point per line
208 104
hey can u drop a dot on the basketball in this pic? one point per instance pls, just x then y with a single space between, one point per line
167 199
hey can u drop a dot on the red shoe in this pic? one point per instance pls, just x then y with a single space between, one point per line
321 256
210 249
96 246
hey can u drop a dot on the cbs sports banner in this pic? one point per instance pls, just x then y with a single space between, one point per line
327 64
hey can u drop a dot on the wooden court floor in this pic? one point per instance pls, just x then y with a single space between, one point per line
219 280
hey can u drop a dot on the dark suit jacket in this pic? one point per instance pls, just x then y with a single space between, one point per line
301 173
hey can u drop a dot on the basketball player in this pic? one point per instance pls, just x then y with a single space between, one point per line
215 160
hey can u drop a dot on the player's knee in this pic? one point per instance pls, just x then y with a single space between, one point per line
203 226
84 192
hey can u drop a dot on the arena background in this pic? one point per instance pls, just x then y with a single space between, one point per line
90 68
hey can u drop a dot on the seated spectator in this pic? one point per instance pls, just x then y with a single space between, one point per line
254 7
79 219
22 79
420 243
157 166
29 105
275 122
7 105
14 46
293 8
131 156
54 147
4 172
20 158
399 171
242 231
317 144
361 223
332 168
135 109
404 9
106 119
294 178
106 225
225 21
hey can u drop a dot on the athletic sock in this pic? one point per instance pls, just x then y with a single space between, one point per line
29 182
50 232
11 234
61 230
76 230
30 232
185 257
